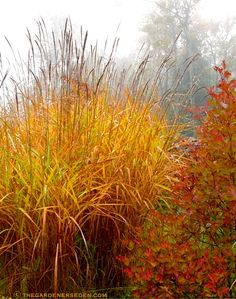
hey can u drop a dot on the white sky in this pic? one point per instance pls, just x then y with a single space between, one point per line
100 17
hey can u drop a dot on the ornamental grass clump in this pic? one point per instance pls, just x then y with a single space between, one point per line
79 165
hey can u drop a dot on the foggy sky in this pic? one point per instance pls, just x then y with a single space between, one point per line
102 18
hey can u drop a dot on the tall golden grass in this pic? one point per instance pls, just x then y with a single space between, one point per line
82 159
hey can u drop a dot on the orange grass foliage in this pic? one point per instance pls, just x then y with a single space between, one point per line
83 155
76 173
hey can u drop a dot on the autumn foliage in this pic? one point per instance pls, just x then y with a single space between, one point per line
188 250
82 154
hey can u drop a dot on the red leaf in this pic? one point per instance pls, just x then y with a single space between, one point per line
149 253
217 136
222 292
128 272
147 275
211 286
159 278
227 74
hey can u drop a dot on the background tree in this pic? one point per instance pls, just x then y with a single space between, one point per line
200 46
219 41
171 20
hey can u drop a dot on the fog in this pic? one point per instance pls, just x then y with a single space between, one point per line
102 19
205 30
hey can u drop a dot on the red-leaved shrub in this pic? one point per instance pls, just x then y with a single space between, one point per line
189 250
